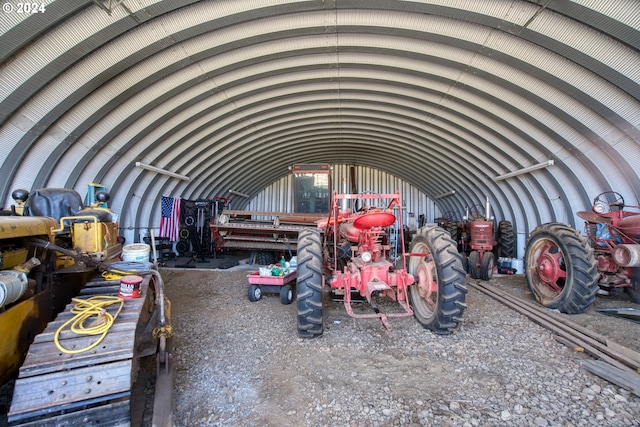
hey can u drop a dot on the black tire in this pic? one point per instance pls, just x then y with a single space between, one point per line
474 264
286 294
452 229
465 261
265 258
634 293
486 268
437 297
506 241
254 293
561 269
182 247
184 233
309 284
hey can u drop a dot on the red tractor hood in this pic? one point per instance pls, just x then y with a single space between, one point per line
630 226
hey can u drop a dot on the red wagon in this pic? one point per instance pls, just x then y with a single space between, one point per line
259 284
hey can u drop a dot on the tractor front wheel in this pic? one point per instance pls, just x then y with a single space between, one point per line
561 269
474 264
438 294
486 268
309 284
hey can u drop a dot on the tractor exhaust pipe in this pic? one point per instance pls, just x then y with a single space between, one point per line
344 202
487 209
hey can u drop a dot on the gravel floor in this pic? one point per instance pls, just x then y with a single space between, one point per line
240 363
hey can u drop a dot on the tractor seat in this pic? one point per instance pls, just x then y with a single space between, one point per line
53 202
100 214
374 219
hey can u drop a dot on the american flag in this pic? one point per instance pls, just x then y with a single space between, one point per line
170 218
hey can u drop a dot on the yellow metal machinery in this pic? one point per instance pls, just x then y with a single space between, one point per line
35 282
24 309
52 253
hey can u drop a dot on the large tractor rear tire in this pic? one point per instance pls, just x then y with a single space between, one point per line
309 284
265 257
561 269
437 297
506 241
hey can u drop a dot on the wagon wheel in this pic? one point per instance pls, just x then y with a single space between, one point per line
309 284
254 293
561 269
286 294
437 297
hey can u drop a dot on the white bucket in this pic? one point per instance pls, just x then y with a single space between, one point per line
518 265
137 252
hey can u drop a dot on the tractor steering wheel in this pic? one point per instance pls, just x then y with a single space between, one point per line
449 215
476 212
601 203
372 207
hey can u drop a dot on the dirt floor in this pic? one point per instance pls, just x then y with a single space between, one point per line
623 331
241 363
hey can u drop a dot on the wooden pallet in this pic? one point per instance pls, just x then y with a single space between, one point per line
89 388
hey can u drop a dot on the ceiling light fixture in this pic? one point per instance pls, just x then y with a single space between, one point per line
446 194
162 171
525 170
237 193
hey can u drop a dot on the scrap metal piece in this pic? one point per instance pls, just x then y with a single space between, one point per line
623 313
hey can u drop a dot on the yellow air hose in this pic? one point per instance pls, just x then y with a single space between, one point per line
94 309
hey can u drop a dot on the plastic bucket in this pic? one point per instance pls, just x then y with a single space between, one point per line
130 287
518 265
137 252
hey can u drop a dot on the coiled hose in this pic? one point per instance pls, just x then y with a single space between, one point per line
92 310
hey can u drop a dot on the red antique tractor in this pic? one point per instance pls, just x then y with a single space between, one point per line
478 241
354 258
565 269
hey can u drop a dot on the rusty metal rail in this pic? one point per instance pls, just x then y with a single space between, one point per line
623 360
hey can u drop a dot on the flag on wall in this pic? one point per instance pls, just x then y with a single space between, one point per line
170 218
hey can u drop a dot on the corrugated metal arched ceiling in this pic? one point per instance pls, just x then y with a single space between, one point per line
443 94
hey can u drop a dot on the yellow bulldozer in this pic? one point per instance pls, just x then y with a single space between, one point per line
57 255
48 241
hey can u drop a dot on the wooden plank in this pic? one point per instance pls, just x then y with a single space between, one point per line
623 378
41 360
132 308
57 390
101 290
124 323
115 414
125 316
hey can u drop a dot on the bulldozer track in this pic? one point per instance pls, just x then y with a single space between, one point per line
92 387
621 360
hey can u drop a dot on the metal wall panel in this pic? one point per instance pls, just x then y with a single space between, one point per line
278 196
